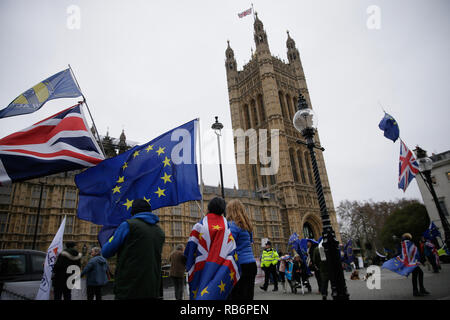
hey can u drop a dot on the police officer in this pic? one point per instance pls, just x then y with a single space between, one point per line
269 261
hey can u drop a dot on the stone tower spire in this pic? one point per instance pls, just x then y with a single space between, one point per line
295 62
122 142
260 36
230 63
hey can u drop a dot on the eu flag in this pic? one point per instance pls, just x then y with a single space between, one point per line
432 232
390 127
162 172
60 85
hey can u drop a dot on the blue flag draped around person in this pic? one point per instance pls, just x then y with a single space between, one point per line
211 259
59 143
163 172
60 85
390 127
406 262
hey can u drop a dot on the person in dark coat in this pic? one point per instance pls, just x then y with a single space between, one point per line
68 257
320 261
176 273
138 243
311 262
96 272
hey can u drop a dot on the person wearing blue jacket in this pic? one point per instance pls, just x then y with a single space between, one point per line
138 243
95 271
241 229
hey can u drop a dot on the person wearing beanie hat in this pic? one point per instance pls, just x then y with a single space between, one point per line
138 244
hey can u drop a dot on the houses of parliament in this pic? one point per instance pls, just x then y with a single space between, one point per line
263 95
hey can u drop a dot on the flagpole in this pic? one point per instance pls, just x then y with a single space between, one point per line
253 11
37 217
89 111
200 158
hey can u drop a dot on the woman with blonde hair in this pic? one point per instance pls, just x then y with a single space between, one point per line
242 231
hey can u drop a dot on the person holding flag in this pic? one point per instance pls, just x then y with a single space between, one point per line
138 243
408 262
211 256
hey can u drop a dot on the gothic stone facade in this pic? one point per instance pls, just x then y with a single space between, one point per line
263 96
19 205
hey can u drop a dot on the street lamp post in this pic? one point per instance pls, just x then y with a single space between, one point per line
304 122
217 127
425 166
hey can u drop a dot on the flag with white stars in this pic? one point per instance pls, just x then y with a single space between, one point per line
162 172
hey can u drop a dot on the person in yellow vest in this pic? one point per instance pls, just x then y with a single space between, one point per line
269 262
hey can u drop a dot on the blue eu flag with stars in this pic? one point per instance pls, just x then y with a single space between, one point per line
390 127
163 172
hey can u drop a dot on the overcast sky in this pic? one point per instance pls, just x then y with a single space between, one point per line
149 66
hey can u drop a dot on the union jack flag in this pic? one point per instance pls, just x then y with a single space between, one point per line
406 262
245 13
211 259
408 167
59 143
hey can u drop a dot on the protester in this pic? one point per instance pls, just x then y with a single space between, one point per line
269 261
241 229
310 262
96 271
319 260
211 256
68 257
138 243
282 270
431 254
417 273
176 273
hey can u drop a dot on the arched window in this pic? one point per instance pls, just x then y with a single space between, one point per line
293 165
289 107
300 164
280 95
308 168
255 176
247 117
262 111
254 113
308 231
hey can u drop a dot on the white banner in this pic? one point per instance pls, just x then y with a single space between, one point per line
52 253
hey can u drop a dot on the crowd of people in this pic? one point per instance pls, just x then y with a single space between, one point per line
138 244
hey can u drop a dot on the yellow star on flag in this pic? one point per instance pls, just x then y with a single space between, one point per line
217 227
150 147
231 275
135 154
166 162
204 291
160 192
121 179
116 189
200 236
148 200
195 293
236 256
166 177
128 204
160 150
221 286
125 165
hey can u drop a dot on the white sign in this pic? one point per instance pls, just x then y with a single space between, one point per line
52 253
264 241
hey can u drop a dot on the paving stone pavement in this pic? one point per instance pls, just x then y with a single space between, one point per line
393 287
